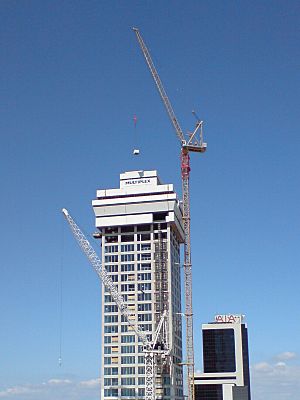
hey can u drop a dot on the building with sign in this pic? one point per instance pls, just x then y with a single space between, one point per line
225 360
140 226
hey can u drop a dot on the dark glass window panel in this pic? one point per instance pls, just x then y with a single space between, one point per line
218 350
208 392
127 238
129 228
143 228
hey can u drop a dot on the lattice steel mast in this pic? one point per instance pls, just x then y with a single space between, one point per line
194 142
155 349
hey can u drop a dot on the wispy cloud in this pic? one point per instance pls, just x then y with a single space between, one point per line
277 380
60 389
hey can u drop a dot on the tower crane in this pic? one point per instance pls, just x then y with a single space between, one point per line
191 143
154 350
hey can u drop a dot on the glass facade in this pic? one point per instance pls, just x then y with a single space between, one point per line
132 266
218 350
208 392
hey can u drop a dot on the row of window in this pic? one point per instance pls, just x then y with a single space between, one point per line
125 328
127 257
140 237
157 217
128 381
115 360
127 247
124 370
128 267
113 307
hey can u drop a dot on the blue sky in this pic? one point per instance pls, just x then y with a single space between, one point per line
72 77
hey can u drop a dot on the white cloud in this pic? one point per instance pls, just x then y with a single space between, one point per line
278 380
54 388
287 355
16 390
91 383
59 382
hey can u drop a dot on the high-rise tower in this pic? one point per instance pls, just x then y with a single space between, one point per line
225 360
141 232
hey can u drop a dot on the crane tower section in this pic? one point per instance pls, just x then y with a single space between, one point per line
193 142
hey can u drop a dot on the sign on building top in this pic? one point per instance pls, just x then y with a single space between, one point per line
229 318
141 181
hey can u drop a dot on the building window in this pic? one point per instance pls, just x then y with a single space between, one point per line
110 318
108 298
110 381
110 328
144 277
127 267
107 360
127 381
111 268
127 238
144 317
127 288
127 247
141 359
144 307
127 349
127 228
111 249
112 258
111 392
127 257
144 286
141 381
111 239
127 360
144 256
127 370
110 308
128 392
146 327
212 392
144 267
218 350
141 370
142 237
127 277
114 278
128 339
143 228
141 392
144 296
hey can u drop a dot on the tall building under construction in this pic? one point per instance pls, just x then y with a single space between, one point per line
140 226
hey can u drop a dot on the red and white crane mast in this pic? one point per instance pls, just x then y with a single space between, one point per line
192 143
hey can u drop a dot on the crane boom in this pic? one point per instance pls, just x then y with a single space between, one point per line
149 347
160 87
193 144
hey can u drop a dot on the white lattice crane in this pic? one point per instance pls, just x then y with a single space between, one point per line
157 347
192 143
